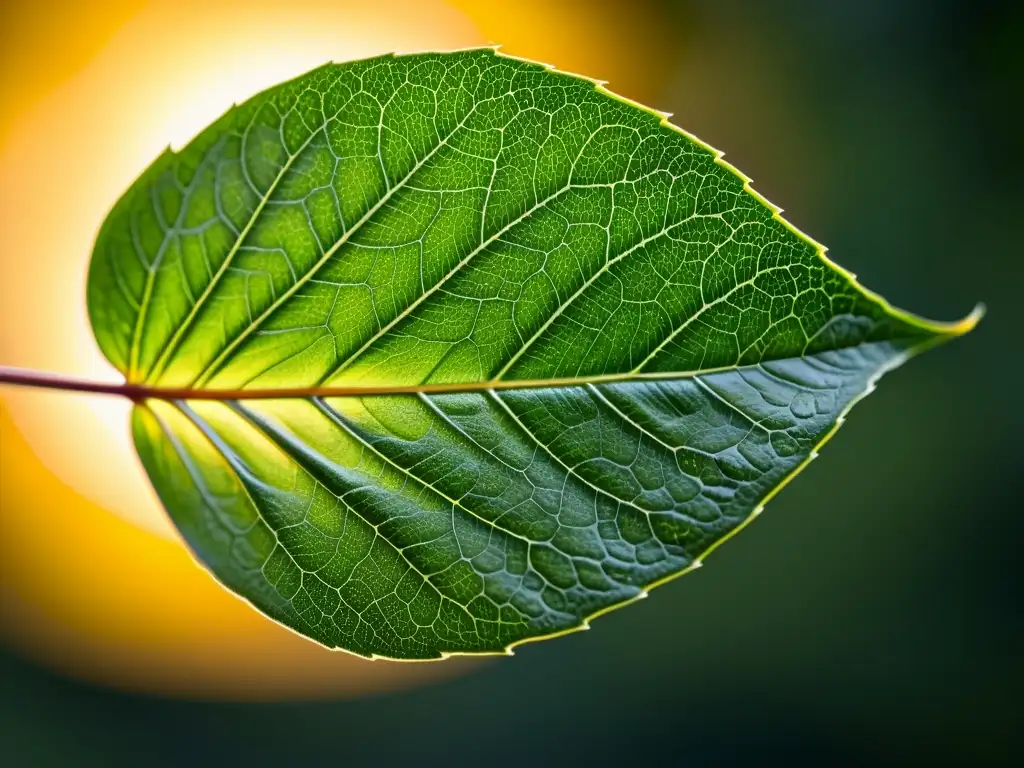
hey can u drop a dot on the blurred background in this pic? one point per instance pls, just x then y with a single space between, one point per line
872 616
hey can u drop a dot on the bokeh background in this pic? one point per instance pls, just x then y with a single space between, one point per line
872 616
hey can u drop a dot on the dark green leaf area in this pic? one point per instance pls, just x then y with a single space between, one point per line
414 526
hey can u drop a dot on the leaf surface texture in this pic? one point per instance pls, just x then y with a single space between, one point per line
639 350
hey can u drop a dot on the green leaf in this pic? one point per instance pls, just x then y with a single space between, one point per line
446 352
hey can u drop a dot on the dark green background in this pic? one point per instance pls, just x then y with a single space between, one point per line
873 615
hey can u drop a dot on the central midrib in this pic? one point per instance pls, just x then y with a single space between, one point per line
140 393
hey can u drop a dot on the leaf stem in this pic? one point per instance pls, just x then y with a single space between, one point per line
23 377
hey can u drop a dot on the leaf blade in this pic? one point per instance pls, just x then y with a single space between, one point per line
682 349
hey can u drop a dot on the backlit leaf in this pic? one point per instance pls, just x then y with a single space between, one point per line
534 350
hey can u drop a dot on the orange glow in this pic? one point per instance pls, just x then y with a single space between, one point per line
118 599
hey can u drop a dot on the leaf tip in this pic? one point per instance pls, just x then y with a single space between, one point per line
968 322
943 331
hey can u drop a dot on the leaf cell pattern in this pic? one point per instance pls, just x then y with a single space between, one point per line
469 219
